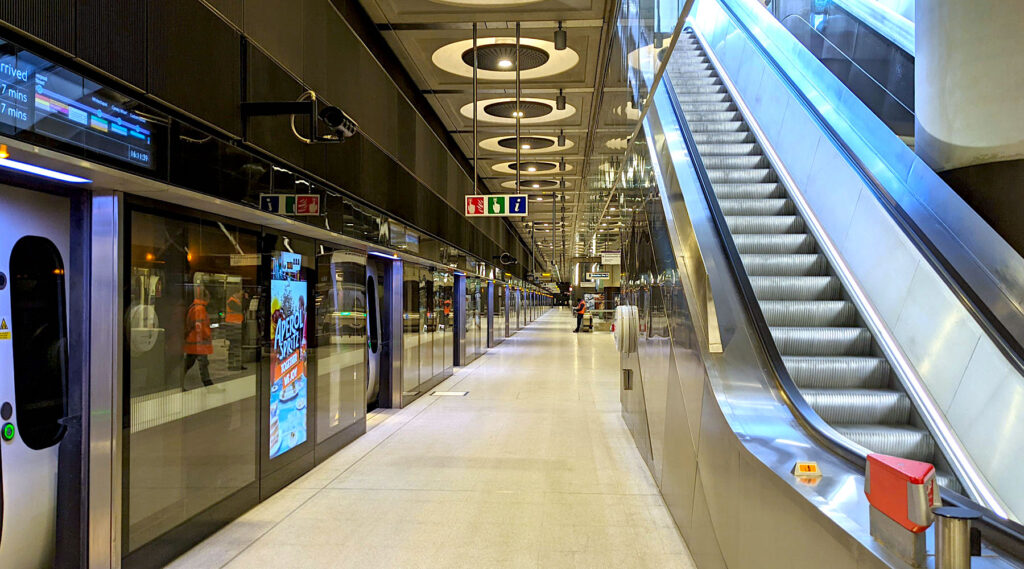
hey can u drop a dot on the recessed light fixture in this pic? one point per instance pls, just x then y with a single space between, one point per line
505 63
531 169
526 146
517 114
535 185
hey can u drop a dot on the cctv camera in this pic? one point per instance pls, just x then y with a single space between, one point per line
342 125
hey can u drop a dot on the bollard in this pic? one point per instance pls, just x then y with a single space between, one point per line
953 537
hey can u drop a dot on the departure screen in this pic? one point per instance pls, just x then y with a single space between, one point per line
42 97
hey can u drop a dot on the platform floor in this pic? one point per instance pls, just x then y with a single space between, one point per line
533 468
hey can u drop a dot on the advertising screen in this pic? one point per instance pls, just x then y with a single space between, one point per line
288 378
42 97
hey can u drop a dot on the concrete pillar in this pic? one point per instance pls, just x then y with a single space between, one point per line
969 104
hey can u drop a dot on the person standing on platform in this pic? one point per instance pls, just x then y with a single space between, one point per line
199 336
580 310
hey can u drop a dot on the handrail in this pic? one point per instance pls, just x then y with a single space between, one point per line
1000 532
1005 341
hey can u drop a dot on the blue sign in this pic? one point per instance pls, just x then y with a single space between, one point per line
270 203
517 205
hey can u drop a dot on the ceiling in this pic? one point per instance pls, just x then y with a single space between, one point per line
433 40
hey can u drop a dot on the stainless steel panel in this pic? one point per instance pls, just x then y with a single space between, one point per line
105 386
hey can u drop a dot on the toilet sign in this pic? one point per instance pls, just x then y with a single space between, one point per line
505 205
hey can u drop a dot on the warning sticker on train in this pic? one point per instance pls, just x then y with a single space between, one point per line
5 330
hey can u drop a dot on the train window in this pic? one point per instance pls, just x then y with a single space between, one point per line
40 341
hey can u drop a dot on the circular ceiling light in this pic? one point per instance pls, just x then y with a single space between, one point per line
537 58
534 184
528 168
617 143
537 144
502 57
501 110
486 3
527 109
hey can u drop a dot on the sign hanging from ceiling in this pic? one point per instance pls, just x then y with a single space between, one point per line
597 276
611 257
504 205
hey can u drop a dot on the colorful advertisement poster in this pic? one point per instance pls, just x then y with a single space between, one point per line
288 354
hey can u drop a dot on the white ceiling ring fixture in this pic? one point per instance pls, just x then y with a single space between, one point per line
617 143
485 116
540 168
495 144
449 58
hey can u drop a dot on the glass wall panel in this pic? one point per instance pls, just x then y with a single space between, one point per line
448 313
427 323
439 315
192 350
411 324
341 334
498 291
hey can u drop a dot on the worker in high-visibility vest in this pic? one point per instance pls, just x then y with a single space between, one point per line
199 336
234 316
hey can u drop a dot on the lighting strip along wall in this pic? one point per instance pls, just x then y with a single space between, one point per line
947 440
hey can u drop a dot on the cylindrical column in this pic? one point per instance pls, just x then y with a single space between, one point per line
953 537
968 80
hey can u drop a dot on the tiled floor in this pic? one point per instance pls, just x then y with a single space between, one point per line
533 468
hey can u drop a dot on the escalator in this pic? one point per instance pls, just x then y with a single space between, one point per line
827 349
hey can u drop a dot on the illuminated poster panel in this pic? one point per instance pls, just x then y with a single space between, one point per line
288 380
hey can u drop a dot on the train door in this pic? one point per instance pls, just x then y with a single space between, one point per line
374 325
34 360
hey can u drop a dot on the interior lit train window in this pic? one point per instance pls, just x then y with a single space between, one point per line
371 313
40 341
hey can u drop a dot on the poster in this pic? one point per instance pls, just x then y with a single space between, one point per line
288 379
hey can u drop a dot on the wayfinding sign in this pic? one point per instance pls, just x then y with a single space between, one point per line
502 205
291 204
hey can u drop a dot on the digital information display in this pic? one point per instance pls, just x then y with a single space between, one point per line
288 377
39 96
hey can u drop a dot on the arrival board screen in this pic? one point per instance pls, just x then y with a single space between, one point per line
288 353
42 97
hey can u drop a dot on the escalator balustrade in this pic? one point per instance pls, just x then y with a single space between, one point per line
829 353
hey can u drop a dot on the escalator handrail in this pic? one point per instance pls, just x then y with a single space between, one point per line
1005 341
1000 532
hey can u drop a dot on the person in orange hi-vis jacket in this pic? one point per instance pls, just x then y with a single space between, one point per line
198 336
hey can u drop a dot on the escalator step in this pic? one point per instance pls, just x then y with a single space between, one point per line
948 481
784 243
704 98
700 90
751 176
808 312
741 149
691 72
765 224
726 116
717 107
785 265
903 441
693 83
838 372
817 341
770 206
859 406
796 288
734 162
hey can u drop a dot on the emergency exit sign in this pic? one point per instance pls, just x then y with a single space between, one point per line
291 204
506 205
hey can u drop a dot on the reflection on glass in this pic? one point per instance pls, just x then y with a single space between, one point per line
191 330
410 328
427 324
341 336
500 326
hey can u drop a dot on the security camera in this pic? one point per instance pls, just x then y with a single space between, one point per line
342 125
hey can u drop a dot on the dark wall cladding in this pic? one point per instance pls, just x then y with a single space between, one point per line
110 36
194 62
52 21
